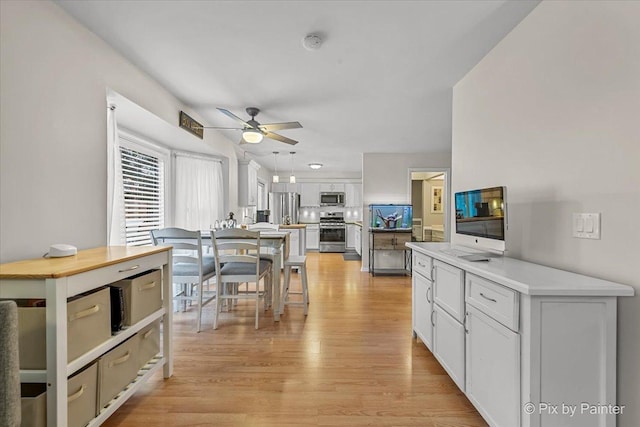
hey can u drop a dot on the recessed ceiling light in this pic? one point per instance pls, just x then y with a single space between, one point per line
315 165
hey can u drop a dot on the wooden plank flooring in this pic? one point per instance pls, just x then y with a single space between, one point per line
351 362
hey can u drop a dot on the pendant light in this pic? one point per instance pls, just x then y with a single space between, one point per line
292 177
276 177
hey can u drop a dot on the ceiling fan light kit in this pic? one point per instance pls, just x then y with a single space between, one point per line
252 136
315 166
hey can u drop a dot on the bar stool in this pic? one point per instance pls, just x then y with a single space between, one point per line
301 263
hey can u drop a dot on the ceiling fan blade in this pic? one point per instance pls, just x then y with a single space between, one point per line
280 138
270 127
217 127
234 117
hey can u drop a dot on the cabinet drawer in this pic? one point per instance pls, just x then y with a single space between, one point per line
422 264
494 300
448 289
148 343
142 296
88 322
116 369
81 402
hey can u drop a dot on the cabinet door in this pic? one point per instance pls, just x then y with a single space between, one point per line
252 191
353 194
309 194
294 242
448 290
332 187
448 344
359 240
401 239
351 236
493 369
313 238
383 241
422 308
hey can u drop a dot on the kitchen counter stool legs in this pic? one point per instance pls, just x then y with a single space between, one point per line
289 264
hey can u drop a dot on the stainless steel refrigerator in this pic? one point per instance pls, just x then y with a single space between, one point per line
284 205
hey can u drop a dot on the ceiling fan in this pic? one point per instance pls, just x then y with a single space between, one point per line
253 132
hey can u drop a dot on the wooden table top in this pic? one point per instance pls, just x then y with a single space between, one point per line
85 260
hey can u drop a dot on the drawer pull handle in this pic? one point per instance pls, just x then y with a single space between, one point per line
421 264
147 286
428 299
433 267
120 360
487 298
84 313
76 395
432 322
146 334
135 267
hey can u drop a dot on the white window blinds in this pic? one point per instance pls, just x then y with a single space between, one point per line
143 188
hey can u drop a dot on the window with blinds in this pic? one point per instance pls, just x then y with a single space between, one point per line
143 188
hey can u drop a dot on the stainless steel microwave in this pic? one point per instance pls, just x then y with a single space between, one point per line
331 199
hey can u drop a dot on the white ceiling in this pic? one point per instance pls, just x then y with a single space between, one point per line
381 82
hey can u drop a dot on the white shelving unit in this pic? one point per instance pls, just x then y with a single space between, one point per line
56 280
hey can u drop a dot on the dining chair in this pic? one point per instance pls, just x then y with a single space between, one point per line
191 268
237 258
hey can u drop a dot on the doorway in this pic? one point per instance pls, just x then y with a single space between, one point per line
429 194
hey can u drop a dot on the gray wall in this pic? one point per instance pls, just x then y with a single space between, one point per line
385 179
54 76
552 113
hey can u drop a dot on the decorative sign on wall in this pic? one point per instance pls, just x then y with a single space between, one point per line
436 199
188 123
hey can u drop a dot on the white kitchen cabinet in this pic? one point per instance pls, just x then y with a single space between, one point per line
448 344
533 334
353 195
248 183
422 308
351 236
358 233
493 369
448 291
309 194
332 187
284 187
313 236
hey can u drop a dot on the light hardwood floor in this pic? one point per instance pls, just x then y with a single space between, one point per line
351 362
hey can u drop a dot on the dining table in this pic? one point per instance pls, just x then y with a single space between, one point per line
278 243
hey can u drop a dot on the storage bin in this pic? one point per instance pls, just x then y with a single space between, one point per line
148 343
116 369
82 390
88 325
34 404
142 295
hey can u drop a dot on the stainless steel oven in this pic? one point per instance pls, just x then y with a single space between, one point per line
332 199
333 232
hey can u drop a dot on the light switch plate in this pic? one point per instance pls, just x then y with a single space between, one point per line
586 225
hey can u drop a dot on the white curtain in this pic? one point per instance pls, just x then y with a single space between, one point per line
199 192
115 195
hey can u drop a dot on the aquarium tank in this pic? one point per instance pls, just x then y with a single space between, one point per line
391 216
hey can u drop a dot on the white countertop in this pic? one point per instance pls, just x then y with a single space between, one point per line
526 277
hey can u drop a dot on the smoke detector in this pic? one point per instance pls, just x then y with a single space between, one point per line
312 42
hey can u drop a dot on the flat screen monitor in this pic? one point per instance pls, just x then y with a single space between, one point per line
481 218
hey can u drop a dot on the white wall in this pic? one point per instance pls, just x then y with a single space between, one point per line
54 75
552 113
385 179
